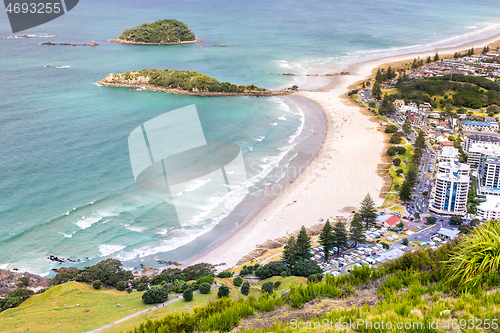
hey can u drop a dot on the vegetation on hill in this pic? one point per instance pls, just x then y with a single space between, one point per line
190 81
159 32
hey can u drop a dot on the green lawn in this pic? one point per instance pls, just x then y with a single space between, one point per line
55 310
179 306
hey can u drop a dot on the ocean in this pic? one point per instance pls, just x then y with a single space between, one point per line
66 182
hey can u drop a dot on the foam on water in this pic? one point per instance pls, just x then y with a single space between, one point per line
107 249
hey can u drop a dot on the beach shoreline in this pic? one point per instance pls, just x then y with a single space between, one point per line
351 178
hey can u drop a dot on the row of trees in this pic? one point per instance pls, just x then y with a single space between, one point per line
411 176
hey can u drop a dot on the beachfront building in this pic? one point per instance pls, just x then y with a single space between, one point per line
489 209
478 150
491 138
448 154
489 175
470 125
449 195
388 221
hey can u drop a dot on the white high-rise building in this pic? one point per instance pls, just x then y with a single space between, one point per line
489 175
481 138
477 150
449 195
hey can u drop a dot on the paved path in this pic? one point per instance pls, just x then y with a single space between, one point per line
137 313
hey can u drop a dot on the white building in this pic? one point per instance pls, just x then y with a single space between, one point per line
481 138
470 125
449 195
477 150
489 175
448 154
489 209
448 233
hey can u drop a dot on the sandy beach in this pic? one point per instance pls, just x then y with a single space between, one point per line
343 172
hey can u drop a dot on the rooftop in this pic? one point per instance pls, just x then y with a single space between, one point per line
451 233
492 203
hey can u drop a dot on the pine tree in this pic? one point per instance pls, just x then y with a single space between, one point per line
340 237
376 91
407 127
436 57
378 76
290 252
405 192
326 239
456 55
420 140
356 230
428 60
303 245
367 211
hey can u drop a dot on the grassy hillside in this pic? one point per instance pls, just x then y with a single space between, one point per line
55 310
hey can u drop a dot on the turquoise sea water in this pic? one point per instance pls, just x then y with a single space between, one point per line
66 185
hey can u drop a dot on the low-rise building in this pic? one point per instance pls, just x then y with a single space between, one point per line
470 125
448 233
489 209
388 221
448 154
481 138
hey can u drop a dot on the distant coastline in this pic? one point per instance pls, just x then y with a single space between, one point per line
123 41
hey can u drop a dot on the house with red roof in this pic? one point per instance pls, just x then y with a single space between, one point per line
388 221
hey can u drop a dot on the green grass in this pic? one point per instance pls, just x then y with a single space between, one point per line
179 306
55 310
398 209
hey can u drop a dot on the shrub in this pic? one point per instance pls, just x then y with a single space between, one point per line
267 287
24 294
314 278
405 241
121 286
395 140
204 288
274 268
142 287
187 294
385 245
283 274
129 290
197 271
206 279
238 281
224 275
223 291
244 271
391 129
277 284
23 281
396 161
155 295
10 302
245 288
431 220
399 172
96 284
306 268
401 150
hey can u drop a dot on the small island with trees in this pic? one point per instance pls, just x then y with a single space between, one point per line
161 32
184 83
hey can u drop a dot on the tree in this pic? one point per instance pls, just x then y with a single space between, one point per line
96 284
399 172
303 245
274 268
356 230
121 286
456 220
465 229
142 287
385 245
431 220
197 271
407 127
340 237
206 279
155 295
109 272
367 211
405 192
436 57
376 91
187 294
405 241
245 288
290 252
391 129
306 268
396 161
223 291
268 287
326 239
428 60
204 288
238 281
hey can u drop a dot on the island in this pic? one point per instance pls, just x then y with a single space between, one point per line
184 83
161 32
